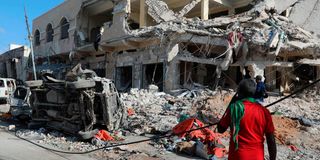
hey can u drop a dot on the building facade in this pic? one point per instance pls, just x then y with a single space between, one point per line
14 63
178 43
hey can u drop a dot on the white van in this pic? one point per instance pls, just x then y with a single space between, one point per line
7 87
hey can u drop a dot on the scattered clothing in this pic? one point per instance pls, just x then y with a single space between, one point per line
130 111
205 135
104 136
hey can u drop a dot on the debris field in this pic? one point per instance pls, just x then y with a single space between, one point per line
152 113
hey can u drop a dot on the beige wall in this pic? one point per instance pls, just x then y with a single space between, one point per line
17 58
68 9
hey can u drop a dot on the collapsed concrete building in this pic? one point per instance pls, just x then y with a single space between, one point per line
177 43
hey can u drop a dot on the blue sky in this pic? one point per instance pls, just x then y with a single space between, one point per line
12 21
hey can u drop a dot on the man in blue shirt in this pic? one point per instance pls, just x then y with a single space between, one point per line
260 89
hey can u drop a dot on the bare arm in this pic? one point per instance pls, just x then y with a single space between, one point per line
272 147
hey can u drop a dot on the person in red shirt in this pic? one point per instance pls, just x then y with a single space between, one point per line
249 122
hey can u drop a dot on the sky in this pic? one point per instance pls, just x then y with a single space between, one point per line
12 22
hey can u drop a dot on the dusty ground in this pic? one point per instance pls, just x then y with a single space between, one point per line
296 121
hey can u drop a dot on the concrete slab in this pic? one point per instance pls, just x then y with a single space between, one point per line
311 12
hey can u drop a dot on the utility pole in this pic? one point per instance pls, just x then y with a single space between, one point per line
31 44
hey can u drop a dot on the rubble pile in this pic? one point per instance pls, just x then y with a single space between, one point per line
152 113
211 108
260 26
287 129
56 140
303 106
156 112
297 123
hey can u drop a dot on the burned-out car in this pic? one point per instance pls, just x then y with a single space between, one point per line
77 104
19 103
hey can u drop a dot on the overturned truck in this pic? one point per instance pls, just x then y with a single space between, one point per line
78 104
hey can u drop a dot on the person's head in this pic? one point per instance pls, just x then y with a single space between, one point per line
258 78
246 88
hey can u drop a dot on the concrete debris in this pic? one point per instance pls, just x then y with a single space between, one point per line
11 127
158 112
187 8
304 105
192 91
283 5
159 11
307 20
153 113
262 30
272 32
86 105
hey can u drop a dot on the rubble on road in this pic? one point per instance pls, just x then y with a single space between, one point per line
158 113
11 127
304 105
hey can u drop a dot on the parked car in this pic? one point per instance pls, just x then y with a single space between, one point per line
19 103
7 87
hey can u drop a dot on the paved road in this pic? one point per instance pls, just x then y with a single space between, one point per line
13 148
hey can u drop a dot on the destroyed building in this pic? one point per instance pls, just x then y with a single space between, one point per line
174 43
14 62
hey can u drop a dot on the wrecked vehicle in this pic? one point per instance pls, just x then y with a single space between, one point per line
19 103
77 104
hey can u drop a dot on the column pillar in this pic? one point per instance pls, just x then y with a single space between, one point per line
137 75
205 9
143 14
110 66
318 75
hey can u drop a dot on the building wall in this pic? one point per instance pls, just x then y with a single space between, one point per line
119 52
69 10
14 63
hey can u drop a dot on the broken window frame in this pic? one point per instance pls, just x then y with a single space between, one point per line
122 81
50 32
37 37
147 79
64 28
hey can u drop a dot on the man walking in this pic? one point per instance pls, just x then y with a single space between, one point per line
249 122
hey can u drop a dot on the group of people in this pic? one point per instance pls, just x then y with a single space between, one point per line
249 123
